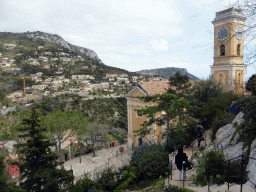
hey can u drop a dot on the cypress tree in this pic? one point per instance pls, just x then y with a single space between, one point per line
39 163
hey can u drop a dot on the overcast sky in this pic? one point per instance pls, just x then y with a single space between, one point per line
128 34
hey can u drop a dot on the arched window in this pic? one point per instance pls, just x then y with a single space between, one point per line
239 79
139 113
221 78
222 50
238 49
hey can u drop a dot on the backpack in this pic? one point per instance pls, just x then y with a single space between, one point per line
188 165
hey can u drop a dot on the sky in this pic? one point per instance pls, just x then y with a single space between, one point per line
128 34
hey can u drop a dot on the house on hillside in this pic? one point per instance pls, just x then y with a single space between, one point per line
12 169
4 60
135 119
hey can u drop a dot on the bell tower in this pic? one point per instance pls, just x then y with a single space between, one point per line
228 66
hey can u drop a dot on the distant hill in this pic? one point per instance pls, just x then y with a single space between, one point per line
30 41
167 72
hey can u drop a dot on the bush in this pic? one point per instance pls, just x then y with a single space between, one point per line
82 185
250 85
150 160
211 166
110 179
248 106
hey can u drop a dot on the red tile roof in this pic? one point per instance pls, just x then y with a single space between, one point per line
158 87
155 87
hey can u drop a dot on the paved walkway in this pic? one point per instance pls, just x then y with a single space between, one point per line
104 157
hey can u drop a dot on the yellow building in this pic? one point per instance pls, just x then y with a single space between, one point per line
135 119
228 66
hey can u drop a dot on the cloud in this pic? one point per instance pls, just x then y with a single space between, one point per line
159 45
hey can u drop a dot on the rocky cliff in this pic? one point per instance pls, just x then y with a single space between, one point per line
234 148
53 38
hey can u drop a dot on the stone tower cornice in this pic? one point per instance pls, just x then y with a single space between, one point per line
229 14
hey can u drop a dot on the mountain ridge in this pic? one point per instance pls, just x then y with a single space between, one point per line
54 38
167 72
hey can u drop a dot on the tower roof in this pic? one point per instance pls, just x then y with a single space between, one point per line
231 13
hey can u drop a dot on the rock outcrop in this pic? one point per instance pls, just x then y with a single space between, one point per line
251 167
233 148
53 38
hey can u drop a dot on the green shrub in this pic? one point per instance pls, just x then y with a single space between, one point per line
248 106
82 185
150 161
212 165
110 179
216 107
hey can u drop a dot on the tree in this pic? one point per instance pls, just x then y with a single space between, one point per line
204 92
172 108
206 89
248 7
97 133
251 84
171 103
181 84
58 122
39 163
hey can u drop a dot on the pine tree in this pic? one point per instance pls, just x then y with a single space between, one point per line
39 163
181 84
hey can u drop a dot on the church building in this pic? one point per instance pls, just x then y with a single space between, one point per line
228 66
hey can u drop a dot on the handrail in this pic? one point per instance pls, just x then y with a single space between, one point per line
250 157
249 180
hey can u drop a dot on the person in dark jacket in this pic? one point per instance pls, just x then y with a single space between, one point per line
200 132
233 108
180 159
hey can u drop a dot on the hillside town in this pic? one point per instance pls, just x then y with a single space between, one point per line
83 85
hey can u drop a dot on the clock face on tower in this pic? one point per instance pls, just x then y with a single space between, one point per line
222 34
239 33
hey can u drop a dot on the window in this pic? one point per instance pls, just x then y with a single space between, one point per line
221 78
140 141
139 113
239 79
222 50
238 49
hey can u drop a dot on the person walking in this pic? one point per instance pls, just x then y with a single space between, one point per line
200 131
233 108
113 144
181 159
116 153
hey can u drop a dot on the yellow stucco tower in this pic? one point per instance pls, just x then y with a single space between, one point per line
228 66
